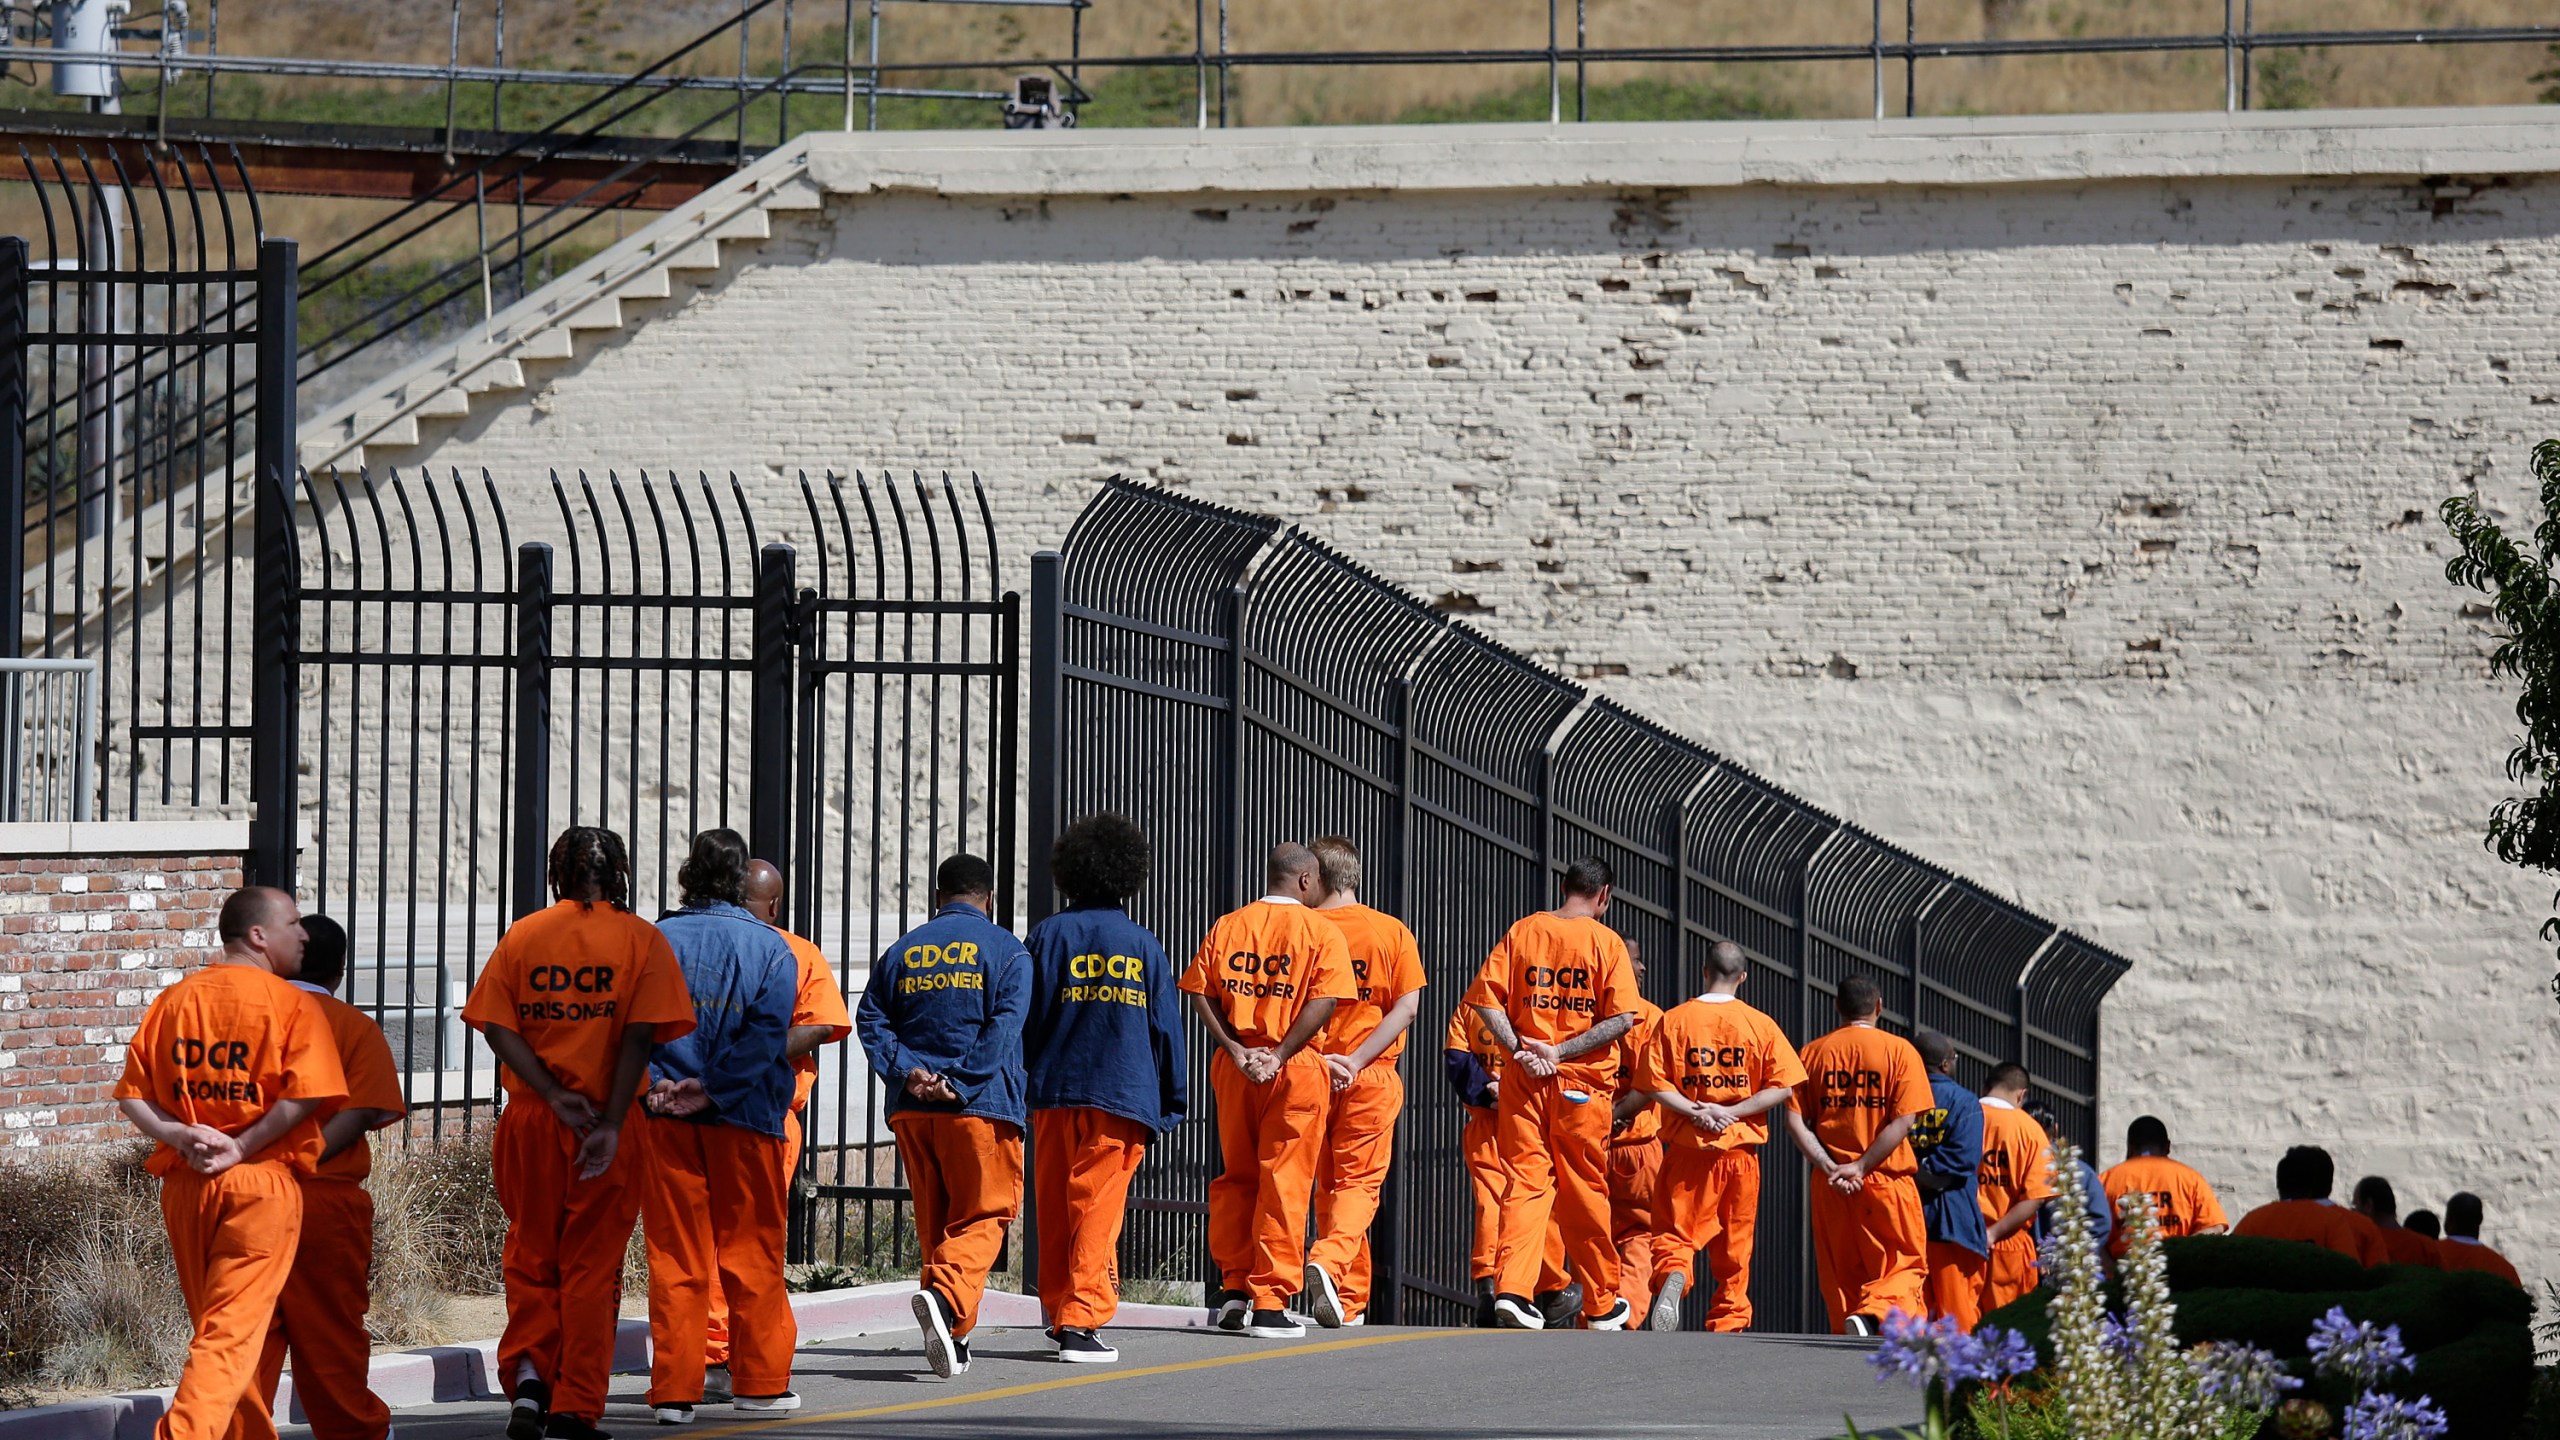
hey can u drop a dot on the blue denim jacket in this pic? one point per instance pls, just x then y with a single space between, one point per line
949 996
1106 1019
744 983
1947 1140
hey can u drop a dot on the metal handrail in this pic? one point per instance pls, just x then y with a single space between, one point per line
22 762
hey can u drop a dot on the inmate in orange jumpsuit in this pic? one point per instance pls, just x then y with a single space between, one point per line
2182 1201
1718 1051
219 1048
2456 1253
570 980
1084 1197
2317 1222
1555 978
320 1316
1635 1165
2017 1164
820 1002
2405 1246
1867 1247
1259 966
1467 1033
1360 1123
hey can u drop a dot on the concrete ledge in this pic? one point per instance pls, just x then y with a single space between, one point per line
2486 140
126 837
445 1373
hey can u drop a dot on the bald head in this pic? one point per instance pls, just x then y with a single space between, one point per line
764 891
1936 1051
1293 871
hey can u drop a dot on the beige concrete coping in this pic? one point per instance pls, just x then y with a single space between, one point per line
1956 150
126 837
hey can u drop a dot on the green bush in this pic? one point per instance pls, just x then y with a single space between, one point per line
2468 1332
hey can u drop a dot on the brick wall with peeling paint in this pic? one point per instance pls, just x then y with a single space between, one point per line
2078 536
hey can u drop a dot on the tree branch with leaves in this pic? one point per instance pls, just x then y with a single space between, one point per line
2524 830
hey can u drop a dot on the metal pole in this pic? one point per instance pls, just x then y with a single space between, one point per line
1226 71
94 445
1581 67
769 725
13 500
1910 58
1009 702
2248 52
1879 58
452 80
533 728
1200 63
1555 73
2230 62
275 630
1043 767
848 64
871 101
1386 1231
1231 753
745 33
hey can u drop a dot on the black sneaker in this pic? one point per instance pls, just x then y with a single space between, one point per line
1274 1325
531 1408
1615 1317
570 1427
942 1350
1233 1307
1484 1303
1510 1312
1862 1325
1561 1306
674 1412
1081 1347
1324 1301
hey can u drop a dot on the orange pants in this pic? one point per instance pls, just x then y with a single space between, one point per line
1955 1284
1556 1156
712 1199
966 1173
1867 1248
231 1240
563 1258
320 1317
1635 1167
1081 1163
715 1348
2012 1271
1486 1178
1268 1136
1710 1200
1351 1168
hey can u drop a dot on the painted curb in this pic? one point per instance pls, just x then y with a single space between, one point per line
444 1373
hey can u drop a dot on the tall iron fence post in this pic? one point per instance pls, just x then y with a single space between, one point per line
800 1205
531 862
1041 773
1009 762
769 725
1386 1231
13 496
1241 885
275 626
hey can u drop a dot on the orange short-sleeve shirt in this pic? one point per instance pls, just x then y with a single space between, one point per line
373 1081
1468 1032
2405 1246
1858 1080
1261 965
819 1001
1555 977
220 1048
2017 1159
1645 1124
1386 966
2182 1199
570 980
2455 1253
2317 1222
1720 1051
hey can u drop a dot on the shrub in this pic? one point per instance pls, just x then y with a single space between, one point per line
437 1224
111 1317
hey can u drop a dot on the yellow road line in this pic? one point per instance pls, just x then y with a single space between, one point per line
1010 1392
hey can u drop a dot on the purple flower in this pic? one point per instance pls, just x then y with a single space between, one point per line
2243 1375
2356 1350
2119 1338
2388 1417
2001 1354
1921 1350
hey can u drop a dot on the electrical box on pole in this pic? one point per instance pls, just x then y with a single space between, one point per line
86 27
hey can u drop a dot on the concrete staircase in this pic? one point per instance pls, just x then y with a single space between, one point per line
387 422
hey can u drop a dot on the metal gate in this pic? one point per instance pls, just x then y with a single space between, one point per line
1230 683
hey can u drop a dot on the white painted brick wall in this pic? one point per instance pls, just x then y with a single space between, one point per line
2078 536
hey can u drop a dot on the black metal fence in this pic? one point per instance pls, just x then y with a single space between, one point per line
1231 683
641 654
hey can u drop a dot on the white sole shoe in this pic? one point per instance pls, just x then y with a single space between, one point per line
767 1404
1665 1314
1512 1314
1619 1313
1324 1302
939 1352
1287 1327
1232 1315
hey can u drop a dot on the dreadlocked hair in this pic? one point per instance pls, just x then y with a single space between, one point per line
589 860
1101 859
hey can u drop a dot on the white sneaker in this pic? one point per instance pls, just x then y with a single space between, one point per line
1615 1318
767 1404
1510 1312
1354 1322
678 1413
1665 1314
1323 1301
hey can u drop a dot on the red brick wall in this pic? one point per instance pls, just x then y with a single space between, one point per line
85 942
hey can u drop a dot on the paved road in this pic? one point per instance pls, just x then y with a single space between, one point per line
1366 1384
